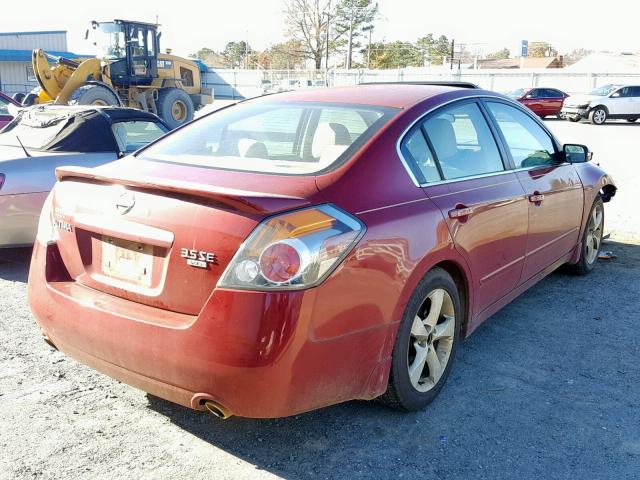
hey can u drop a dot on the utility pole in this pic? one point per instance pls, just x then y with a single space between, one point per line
246 51
370 28
350 46
326 51
453 44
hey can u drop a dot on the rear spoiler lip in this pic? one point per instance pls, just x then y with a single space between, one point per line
243 200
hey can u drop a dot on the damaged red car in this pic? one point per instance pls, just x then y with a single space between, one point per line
308 248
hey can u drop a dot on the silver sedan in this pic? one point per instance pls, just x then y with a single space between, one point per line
43 138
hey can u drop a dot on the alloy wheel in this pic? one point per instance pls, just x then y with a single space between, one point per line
431 340
594 233
599 116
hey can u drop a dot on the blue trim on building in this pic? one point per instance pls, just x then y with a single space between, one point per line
40 32
25 55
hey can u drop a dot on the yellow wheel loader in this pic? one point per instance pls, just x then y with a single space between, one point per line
131 71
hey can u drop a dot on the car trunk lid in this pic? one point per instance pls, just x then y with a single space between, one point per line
161 236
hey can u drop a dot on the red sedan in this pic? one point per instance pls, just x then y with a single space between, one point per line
303 249
543 102
5 115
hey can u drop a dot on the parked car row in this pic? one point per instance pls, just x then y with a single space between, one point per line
609 102
298 250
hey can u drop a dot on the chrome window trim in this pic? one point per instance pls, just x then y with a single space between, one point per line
470 177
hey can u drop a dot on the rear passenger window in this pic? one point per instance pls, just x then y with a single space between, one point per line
462 142
416 145
528 143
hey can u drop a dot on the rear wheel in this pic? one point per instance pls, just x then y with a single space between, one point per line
591 240
174 106
426 343
97 95
631 120
598 116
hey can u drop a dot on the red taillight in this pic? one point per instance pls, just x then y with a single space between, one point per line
1 180
280 262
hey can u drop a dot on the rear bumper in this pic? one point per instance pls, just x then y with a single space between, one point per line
254 353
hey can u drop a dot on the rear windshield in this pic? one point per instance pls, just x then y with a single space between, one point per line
273 137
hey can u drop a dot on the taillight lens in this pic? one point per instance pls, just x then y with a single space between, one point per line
293 250
47 234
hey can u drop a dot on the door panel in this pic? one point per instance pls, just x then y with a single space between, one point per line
483 204
553 189
554 222
492 237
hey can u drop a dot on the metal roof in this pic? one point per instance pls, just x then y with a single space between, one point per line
39 32
25 55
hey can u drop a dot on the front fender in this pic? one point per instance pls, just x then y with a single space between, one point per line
595 181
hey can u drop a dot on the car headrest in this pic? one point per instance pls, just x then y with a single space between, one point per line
250 148
443 137
329 135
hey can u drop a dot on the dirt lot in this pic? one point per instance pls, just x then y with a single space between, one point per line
547 388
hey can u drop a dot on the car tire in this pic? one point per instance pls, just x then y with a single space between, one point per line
174 106
591 240
632 120
598 115
18 97
98 95
425 344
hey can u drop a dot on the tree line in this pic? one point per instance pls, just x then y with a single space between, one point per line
323 32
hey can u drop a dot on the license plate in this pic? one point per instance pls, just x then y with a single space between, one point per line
125 260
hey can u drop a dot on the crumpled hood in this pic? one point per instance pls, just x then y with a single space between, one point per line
576 100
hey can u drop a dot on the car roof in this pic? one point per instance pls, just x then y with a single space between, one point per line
395 95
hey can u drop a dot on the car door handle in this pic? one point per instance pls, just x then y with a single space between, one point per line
460 212
536 197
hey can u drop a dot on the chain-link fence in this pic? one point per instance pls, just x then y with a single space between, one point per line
250 83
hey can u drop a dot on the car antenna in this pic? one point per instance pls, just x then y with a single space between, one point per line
26 152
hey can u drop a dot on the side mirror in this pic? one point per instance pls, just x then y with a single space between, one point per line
530 95
575 153
615 95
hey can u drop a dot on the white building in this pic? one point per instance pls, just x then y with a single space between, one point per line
16 73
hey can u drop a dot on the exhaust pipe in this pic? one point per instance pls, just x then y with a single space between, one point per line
217 409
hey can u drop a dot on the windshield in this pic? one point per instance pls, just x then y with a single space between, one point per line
517 93
604 90
272 137
109 38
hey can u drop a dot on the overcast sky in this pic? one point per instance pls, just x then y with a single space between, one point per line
566 24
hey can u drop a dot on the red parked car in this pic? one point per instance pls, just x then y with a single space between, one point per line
307 248
5 115
543 102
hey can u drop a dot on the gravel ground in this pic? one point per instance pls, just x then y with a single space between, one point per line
547 388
